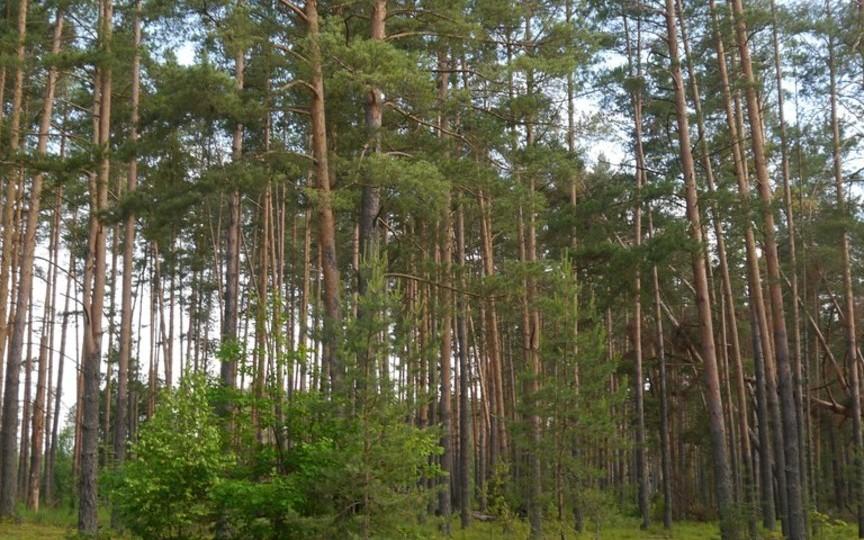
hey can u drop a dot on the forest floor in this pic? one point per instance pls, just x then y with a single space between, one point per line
57 525
40 527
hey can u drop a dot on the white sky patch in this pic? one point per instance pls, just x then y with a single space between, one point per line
186 53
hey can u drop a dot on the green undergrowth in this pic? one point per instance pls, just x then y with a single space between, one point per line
59 523
620 530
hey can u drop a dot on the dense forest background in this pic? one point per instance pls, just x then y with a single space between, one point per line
349 268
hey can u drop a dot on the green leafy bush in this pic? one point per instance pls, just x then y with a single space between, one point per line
165 490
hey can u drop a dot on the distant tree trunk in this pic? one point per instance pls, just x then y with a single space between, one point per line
303 309
39 414
27 405
9 425
228 368
532 322
370 204
665 445
465 448
498 443
848 291
636 337
722 472
93 305
51 459
446 318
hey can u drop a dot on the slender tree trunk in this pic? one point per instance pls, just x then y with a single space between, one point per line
121 419
228 368
725 274
665 445
446 318
370 205
498 443
39 414
797 364
762 348
465 447
722 472
27 405
848 291
638 378
61 358
791 436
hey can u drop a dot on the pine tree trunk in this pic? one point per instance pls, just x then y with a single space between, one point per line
636 336
9 425
797 363
848 291
762 347
92 349
446 317
326 222
665 445
51 459
791 436
722 472
465 446
121 417
228 368
729 312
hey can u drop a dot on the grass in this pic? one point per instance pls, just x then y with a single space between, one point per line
31 531
48 523
620 530
56 524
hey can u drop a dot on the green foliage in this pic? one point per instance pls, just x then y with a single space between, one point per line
165 490
827 528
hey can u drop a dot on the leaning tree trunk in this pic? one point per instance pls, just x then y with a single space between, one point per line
791 436
722 471
730 312
762 347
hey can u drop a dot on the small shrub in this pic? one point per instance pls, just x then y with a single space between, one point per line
164 491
